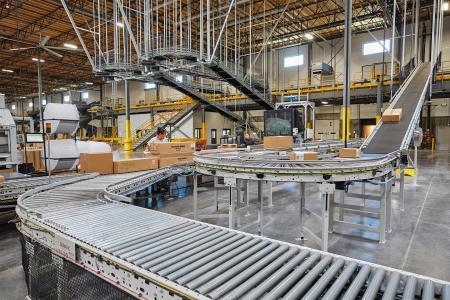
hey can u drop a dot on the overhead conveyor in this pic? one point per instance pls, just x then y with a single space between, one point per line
151 255
392 137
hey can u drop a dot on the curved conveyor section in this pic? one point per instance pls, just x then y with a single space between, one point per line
276 166
152 255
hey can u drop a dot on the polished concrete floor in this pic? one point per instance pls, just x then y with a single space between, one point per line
419 241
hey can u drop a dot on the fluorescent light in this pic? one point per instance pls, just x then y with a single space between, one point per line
445 6
149 85
30 104
13 107
44 101
71 46
309 36
324 102
119 24
23 97
88 83
35 59
7 71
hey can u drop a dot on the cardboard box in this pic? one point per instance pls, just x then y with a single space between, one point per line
278 142
168 161
134 165
101 163
171 149
33 156
392 115
349 152
226 146
303 155
6 170
2 179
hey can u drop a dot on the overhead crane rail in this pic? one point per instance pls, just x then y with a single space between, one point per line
153 255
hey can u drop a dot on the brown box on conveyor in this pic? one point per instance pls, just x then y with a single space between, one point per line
101 163
349 152
168 161
135 165
171 149
392 115
278 142
303 155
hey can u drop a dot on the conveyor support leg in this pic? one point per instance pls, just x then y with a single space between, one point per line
216 193
402 188
195 196
261 208
326 190
302 208
270 185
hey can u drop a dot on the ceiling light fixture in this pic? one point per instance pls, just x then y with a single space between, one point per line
7 71
88 83
309 36
35 59
70 46
324 102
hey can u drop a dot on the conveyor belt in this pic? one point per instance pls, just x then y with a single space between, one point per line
192 259
389 137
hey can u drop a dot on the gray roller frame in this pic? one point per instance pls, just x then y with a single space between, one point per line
195 260
274 165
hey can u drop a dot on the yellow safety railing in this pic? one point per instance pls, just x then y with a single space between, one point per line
155 121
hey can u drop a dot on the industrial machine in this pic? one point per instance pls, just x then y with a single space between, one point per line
283 122
8 138
321 68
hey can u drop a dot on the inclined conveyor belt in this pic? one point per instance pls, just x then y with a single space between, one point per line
207 261
391 137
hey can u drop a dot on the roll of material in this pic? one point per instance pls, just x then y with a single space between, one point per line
61 155
93 147
61 118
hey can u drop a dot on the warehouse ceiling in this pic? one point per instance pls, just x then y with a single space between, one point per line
26 23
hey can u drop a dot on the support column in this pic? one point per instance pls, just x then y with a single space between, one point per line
127 144
302 208
269 195
195 196
327 193
382 228
402 187
261 208
379 100
231 208
203 133
216 192
347 70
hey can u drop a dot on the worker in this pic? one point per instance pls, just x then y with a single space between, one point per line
160 137
248 141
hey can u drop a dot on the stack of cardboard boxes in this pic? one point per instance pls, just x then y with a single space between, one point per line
169 154
104 164
32 155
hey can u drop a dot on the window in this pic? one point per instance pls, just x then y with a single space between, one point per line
149 85
226 132
292 61
44 101
85 95
197 133
179 78
66 98
376 47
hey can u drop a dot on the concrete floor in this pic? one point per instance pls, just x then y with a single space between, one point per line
419 242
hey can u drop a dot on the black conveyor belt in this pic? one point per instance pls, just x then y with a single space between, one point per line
389 136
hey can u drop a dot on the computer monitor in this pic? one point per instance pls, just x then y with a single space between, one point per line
33 138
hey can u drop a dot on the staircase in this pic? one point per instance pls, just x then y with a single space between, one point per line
253 90
148 130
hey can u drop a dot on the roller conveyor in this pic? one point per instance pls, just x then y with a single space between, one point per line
391 137
152 255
